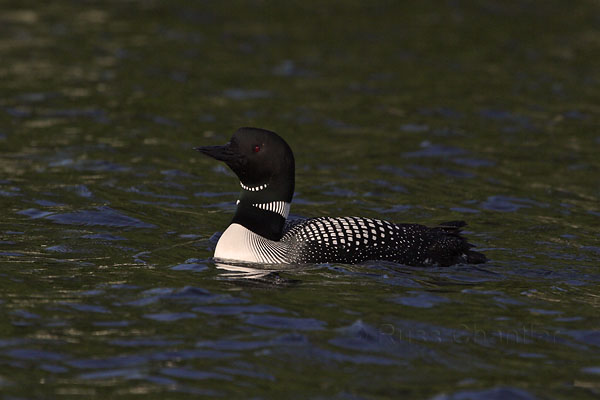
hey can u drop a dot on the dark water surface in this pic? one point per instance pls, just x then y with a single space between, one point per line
422 112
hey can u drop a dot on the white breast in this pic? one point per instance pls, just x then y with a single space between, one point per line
238 243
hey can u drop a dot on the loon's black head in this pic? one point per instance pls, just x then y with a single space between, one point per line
264 163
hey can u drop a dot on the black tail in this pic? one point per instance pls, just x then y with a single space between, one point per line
450 247
474 257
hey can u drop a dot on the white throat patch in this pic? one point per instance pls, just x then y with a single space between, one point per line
253 189
238 243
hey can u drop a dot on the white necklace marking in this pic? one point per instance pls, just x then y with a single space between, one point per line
280 207
253 189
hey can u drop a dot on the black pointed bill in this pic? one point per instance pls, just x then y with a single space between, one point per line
221 153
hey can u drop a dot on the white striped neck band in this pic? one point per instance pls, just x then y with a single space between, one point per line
253 189
280 207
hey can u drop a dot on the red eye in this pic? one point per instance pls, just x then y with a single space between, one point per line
256 148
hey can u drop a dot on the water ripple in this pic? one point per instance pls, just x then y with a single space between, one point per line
498 393
102 216
281 322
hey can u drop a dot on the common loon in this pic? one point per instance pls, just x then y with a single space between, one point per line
260 232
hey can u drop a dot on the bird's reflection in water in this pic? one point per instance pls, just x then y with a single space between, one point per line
258 274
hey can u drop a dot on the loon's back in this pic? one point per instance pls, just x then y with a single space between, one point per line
353 240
